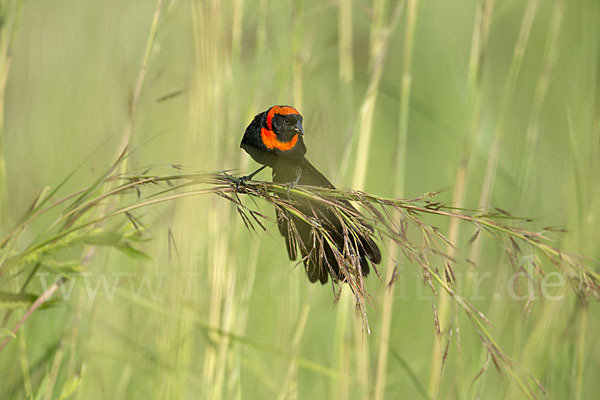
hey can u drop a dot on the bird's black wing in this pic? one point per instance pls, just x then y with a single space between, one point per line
318 257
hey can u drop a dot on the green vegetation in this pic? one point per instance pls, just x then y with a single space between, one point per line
131 266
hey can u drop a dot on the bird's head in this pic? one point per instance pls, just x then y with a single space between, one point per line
282 128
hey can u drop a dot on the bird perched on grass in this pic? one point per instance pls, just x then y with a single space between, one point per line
275 138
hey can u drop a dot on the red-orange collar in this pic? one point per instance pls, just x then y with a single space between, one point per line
269 139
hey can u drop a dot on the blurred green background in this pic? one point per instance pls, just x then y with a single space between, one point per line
498 102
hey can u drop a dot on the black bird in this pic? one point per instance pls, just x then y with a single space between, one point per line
274 138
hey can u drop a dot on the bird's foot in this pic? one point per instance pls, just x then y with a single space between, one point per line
241 181
292 184
240 185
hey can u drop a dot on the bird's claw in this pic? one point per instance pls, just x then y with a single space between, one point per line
241 181
241 184
292 184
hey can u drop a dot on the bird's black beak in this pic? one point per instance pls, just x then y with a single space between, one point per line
299 129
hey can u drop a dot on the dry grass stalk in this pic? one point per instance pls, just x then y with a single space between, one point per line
421 243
